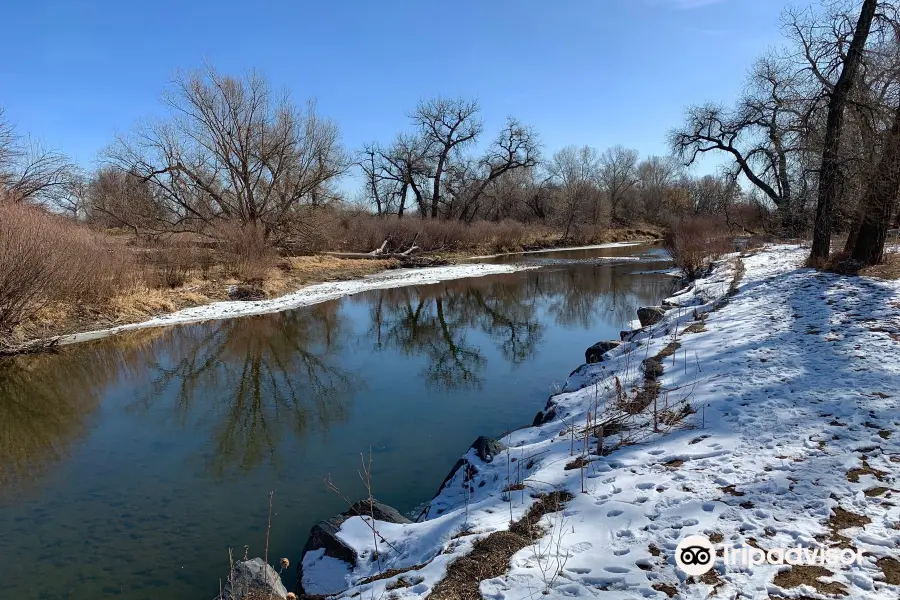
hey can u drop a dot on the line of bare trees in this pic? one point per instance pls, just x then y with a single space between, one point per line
811 146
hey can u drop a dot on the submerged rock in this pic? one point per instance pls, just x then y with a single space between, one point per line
253 579
650 315
595 353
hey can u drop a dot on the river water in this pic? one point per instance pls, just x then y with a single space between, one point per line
129 465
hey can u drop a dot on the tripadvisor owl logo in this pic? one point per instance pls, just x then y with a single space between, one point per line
695 555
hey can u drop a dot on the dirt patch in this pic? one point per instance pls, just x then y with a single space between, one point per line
716 537
809 575
670 349
698 327
577 463
876 491
884 434
666 588
654 550
891 568
854 474
730 489
490 556
674 463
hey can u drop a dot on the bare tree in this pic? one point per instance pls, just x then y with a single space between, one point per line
515 148
830 171
233 150
880 199
29 172
656 176
575 172
617 175
446 124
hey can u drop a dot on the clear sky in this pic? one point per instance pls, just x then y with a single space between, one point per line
596 72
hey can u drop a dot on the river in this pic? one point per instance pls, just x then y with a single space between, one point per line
129 465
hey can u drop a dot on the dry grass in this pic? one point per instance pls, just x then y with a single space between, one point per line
891 568
888 269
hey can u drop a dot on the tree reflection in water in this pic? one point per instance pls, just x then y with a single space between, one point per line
256 378
46 401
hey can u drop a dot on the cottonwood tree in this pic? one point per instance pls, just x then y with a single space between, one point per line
879 200
446 125
765 134
823 64
617 175
233 150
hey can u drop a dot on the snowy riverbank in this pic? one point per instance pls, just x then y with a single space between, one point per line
775 392
309 295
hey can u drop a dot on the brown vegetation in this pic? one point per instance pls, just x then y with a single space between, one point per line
695 242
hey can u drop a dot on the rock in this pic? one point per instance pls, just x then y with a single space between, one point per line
595 353
486 448
245 293
544 416
253 579
323 535
650 315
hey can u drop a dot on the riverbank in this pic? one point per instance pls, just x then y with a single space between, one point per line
760 411
295 282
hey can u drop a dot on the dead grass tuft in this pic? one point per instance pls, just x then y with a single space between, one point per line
854 474
490 556
890 566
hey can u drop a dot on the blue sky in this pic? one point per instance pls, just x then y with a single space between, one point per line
596 72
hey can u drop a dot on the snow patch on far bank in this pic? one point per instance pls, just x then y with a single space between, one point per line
313 294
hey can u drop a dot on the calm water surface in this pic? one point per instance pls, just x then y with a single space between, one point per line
129 465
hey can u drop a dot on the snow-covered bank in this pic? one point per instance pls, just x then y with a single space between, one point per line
306 296
777 412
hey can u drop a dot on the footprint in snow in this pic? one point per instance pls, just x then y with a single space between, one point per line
614 513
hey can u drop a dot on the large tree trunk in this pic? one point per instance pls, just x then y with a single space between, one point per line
830 176
877 205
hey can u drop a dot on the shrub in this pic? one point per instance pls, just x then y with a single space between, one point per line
46 258
695 242
246 253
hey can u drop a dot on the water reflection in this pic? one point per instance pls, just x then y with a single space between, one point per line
246 384
255 379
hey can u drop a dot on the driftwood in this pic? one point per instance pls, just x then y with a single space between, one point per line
380 252
35 347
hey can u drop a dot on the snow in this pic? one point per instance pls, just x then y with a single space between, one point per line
313 294
795 383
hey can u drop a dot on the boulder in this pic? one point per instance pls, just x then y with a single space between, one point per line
253 579
650 315
486 448
595 353
323 535
544 416
245 293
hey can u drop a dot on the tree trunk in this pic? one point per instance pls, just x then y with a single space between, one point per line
830 176
877 205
